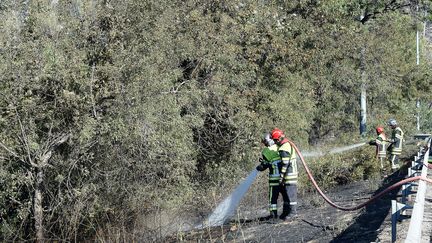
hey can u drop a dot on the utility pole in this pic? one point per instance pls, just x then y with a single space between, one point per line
418 63
417 47
418 114
363 108
363 91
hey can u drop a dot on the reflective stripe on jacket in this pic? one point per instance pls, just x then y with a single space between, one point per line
397 138
289 163
271 155
381 145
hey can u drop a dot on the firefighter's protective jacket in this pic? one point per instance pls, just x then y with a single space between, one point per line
289 170
381 143
396 141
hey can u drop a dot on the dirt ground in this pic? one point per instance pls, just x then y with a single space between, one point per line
316 222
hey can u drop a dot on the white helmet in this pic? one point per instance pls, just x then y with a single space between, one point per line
392 122
267 141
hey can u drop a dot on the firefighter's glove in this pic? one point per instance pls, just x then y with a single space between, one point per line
260 167
372 142
389 148
281 181
263 161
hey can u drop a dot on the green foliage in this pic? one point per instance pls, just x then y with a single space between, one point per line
159 100
331 170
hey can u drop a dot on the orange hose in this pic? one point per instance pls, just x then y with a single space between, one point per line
392 187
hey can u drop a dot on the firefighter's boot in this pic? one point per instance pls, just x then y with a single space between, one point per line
293 214
273 215
285 211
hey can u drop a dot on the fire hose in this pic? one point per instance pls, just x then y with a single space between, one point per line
374 198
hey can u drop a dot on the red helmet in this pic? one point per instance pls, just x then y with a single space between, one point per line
379 130
276 134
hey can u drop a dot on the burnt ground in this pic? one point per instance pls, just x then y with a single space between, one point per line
317 221
368 224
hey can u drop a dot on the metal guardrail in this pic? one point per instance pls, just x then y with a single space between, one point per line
418 167
399 208
414 232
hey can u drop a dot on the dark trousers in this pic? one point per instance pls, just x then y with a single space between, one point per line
292 197
274 192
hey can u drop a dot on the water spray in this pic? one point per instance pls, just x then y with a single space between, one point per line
227 207
332 151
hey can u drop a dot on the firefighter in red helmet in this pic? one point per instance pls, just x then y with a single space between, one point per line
288 173
271 160
380 143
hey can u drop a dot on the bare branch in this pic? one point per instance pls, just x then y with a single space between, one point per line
50 148
34 164
44 160
388 7
175 90
59 140
10 151
91 91
25 138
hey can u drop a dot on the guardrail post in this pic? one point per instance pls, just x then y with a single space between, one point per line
398 209
394 218
406 193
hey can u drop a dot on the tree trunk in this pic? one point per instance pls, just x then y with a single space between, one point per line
37 206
